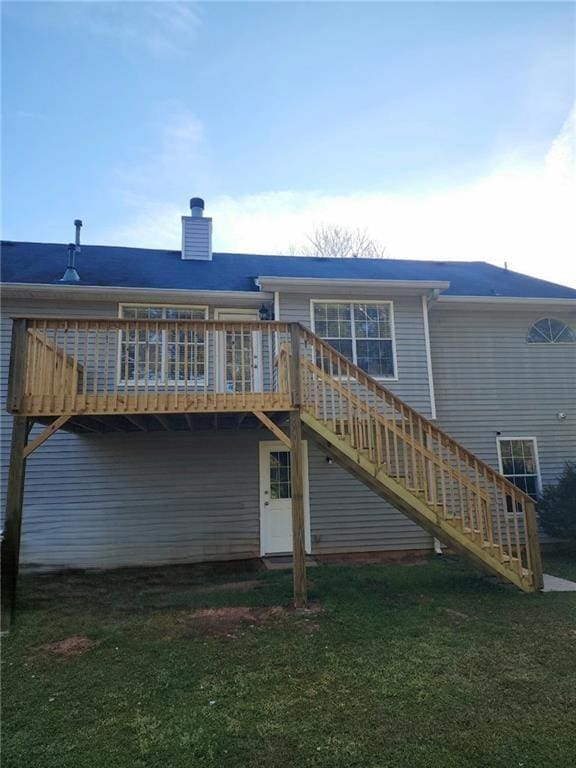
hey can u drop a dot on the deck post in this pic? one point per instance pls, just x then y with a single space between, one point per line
17 369
533 544
13 519
297 476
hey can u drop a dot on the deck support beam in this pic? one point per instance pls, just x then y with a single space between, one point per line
274 428
44 435
13 519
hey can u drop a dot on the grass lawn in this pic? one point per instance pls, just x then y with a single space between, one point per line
419 666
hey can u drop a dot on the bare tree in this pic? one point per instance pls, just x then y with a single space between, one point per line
339 242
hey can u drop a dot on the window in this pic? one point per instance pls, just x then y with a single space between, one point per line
361 331
550 331
519 463
280 478
157 354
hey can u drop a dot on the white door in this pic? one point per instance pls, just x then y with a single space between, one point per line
239 354
276 498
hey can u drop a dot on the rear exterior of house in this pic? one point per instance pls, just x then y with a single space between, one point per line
485 354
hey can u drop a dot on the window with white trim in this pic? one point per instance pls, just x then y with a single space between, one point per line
519 463
361 331
149 354
551 331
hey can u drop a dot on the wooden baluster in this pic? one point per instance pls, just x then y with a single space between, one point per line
323 369
428 467
187 341
106 368
210 361
479 509
495 513
394 422
247 376
380 456
332 393
177 365
96 383
491 505
518 543
75 373
508 547
439 443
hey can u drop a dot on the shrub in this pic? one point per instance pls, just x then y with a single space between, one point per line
557 506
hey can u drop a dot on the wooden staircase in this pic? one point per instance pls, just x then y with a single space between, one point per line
418 468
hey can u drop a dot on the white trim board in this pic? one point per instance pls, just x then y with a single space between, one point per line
429 358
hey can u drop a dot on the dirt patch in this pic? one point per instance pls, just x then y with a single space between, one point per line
70 646
230 621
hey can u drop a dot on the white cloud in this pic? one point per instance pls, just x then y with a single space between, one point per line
518 213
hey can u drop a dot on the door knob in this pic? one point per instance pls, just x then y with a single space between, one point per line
266 503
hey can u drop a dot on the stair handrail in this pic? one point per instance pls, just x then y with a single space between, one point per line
438 430
491 494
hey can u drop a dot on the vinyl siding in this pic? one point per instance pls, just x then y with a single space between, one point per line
345 515
489 380
132 499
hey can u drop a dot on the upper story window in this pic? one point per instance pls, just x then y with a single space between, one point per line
519 463
150 354
362 331
550 331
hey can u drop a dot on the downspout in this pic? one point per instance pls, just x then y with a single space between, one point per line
426 302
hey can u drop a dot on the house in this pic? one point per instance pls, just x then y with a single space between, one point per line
191 406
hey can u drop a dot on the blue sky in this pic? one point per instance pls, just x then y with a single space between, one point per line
442 128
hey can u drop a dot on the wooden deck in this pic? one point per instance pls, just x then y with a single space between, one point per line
104 375
110 367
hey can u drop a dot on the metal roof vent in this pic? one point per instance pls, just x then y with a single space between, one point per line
71 275
197 233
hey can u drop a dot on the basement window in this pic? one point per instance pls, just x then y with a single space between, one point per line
518 459
361 331
149 354
550 331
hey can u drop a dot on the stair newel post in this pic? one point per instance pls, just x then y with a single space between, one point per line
297 474
533 544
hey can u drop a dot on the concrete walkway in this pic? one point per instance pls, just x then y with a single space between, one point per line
555 584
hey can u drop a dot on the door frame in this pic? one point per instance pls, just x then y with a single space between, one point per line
250 314
264 448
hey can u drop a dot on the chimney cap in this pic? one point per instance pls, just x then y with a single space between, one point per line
197 202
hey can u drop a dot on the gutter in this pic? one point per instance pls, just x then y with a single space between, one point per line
520 300
304 284
115 293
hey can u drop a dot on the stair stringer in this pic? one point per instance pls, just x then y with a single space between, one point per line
406 502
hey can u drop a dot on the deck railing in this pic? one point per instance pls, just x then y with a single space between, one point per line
465 493
137 366
114 366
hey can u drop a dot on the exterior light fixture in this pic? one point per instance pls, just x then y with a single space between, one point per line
266 312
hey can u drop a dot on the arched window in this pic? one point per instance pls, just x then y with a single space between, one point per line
550 331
